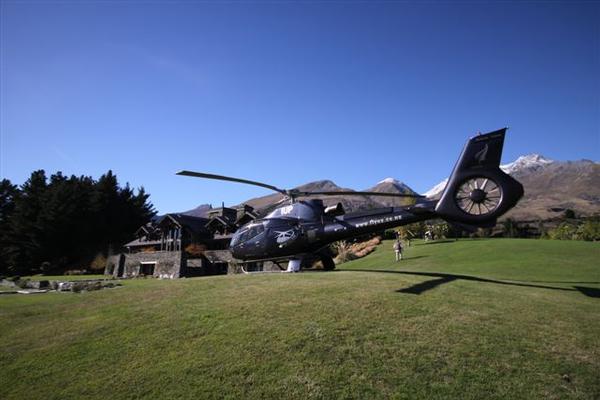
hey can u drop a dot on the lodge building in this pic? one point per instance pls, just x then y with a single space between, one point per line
179 245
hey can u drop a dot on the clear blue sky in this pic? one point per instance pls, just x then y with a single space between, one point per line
290 92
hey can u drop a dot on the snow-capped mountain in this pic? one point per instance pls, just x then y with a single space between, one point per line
391 185
523 164
437 189
530 163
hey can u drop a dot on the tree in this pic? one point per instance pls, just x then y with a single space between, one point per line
8 195
8 192
25 244
64 222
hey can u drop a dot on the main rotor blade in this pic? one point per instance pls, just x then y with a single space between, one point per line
350 193
230 179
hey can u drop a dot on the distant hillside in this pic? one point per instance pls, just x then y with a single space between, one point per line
199 211
559 185
391 185
350 203
550 187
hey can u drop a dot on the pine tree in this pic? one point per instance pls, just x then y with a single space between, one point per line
8 195
66 222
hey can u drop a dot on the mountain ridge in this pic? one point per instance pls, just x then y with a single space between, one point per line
549 184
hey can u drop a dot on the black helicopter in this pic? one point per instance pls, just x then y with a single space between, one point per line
477 193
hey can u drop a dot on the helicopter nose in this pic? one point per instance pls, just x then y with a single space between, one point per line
247 250
237 252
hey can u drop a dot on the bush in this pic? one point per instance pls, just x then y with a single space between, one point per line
441 230
589 230
342 249
565 231
347 252
482 233
99 263
195 250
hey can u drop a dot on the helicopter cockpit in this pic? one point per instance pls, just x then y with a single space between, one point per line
279 230
247 233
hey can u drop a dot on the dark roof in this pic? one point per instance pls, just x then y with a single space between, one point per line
244 207
194 224
146 228
247 216
221 220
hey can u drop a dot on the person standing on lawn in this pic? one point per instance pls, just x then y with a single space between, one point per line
398 249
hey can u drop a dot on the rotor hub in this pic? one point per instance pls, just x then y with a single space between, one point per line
477 196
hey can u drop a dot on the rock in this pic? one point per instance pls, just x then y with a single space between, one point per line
23 283
64 286
33 284
78 286
31 291
44 284
8 283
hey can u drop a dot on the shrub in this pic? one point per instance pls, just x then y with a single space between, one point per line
564 231
342 249
195 250
441 230
589 230
99 262
347 252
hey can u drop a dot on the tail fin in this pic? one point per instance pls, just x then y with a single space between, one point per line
478 191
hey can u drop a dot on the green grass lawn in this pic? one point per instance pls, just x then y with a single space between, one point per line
470 319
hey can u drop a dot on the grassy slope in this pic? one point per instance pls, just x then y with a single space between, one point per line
322 335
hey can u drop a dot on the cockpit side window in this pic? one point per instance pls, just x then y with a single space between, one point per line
248 234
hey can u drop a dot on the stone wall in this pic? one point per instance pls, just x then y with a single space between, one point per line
171 264
112 265
168 264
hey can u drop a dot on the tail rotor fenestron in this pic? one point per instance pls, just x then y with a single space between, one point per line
478 191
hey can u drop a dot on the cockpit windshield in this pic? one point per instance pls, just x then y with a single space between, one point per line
297 211
247 234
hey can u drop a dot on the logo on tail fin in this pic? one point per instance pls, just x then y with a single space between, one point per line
481 155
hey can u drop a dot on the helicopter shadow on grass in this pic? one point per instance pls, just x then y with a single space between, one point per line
442 278
404 258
